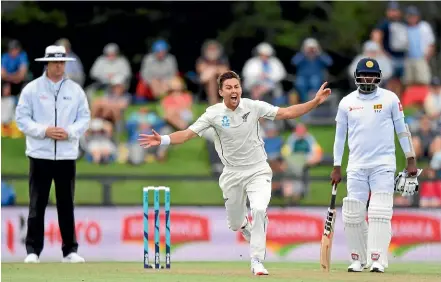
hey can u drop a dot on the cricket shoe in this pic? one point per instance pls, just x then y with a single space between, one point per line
377 267
356 266
32 258
73 258
246 231
257 267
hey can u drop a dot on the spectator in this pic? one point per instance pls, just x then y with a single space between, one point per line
14 67
311 64
209 66
143 114
110 64
99 145
371 49
177 105
421 49
303 144
430 194
426 139
8 195
432 103
112 106
273 147
138 155
300 152
157 68
263 74
9 126
74 69
391 36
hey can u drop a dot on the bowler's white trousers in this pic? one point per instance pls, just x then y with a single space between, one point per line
255 182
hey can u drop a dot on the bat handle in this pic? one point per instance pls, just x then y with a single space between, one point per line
334 189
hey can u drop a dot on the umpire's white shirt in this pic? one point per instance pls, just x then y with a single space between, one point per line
237 137
370 123
42 104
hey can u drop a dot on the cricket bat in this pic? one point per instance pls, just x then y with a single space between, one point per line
328 233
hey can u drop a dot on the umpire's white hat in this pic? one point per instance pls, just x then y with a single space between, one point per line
55 53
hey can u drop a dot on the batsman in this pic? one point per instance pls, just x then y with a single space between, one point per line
369 116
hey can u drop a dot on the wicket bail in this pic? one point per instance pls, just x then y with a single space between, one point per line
156 190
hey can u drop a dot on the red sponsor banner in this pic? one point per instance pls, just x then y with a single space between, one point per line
88 233
184 228
410 230
292 228
288 230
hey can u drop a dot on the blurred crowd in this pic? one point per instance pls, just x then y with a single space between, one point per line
403 43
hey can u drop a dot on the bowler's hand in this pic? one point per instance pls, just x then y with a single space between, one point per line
336 175
147 141
323 93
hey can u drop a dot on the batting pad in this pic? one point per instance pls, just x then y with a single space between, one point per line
356 228
380 228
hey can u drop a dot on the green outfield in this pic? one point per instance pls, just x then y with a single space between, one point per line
187 159
209 272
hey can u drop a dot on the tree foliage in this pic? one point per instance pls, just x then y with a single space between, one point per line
340 26
28 12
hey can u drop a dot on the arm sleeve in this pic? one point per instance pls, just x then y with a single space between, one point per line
326 59
342 115
24 116
397 109
278 72
201 124
403 137
4 59
81 124
266 110
173 68
24 60
297 59
339 143
96 71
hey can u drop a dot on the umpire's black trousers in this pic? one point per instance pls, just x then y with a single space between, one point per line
41 174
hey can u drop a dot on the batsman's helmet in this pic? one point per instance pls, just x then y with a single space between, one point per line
367 75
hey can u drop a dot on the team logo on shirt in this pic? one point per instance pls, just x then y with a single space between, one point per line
400 106
245 117
378 108
353 108
225 122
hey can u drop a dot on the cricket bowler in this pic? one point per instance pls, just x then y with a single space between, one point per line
246 173
369 116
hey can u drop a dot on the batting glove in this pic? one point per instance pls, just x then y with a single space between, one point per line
405 184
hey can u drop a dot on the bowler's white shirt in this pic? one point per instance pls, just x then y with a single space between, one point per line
370 124
237 133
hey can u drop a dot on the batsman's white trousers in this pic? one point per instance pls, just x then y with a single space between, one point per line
254 182
377 179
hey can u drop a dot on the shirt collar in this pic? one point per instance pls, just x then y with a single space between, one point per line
47 79
371 96
240 106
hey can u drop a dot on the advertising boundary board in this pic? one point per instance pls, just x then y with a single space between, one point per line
202 234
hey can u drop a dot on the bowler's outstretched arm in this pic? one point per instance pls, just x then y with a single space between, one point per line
178 137
295 111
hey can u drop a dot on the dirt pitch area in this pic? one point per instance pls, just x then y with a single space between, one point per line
209 272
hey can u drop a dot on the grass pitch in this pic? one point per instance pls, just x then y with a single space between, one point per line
209 272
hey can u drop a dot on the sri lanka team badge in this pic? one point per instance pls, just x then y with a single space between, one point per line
369 64
378 107
225 122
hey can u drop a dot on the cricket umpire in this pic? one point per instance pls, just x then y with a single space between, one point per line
53 113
